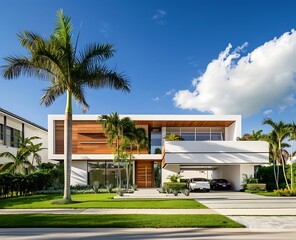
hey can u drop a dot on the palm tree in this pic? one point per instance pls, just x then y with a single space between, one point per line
254 136
280 132
174 137
35 149
115 128
140 139
57 60
19 163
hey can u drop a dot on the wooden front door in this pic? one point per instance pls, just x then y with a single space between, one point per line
144 174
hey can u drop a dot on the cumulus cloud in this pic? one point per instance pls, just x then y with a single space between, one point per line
155 99
235 84
159 16
170 92
268 111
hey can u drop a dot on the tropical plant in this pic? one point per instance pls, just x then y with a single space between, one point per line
174 178
57 60
174 137
254 136
115 128
19 163
280 131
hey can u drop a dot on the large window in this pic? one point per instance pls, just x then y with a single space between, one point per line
104 173
1 133
156 140
198 133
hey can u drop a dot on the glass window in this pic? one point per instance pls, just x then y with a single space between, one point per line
106 173
14 137
187 136
205 136
8 136
1 133
216 137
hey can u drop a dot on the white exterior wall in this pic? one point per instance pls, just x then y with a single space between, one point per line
208 174
234 174
29 131
169 170
79 173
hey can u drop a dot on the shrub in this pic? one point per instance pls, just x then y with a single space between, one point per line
174 178
285 192
157 151
253 187
174 186
265 175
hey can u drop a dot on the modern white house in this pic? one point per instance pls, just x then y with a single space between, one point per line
11 125
210 148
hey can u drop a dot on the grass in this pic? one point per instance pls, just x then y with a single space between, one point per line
267 194
117 220
102 200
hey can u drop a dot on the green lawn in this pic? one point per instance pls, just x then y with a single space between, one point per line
268 194
117 220
102 200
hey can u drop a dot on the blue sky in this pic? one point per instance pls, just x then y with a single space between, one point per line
162 46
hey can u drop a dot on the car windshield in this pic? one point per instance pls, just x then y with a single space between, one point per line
222 180
199 180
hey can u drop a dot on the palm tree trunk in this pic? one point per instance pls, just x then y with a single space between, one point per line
284 170
68 147
118 164
275 175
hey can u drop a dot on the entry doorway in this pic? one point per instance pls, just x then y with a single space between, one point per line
144 174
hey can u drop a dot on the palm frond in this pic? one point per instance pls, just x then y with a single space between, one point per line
95 53
102 77
51 93
78 94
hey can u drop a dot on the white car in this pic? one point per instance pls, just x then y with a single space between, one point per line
199 184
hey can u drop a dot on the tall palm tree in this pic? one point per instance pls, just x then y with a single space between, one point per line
115 128
19 163
281 131
35 149
57 60
140 140
254 136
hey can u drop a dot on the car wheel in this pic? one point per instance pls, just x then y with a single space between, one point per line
207 190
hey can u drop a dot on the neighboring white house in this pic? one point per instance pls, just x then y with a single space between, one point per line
11 125
210 147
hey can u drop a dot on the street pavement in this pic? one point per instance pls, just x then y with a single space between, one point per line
144 233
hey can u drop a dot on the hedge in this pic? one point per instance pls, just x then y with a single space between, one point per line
175 185
21 185
256 187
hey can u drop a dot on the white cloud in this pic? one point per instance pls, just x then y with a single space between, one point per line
170 92
155 99
159 16
232 84
105 29
268 111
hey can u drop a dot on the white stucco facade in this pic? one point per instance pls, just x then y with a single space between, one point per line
25 128
223 158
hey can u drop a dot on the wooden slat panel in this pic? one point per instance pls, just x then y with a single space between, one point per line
144 174
87 138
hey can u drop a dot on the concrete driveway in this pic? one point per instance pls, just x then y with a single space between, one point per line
252 210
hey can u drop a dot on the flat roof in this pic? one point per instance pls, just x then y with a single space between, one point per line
159 120
22 119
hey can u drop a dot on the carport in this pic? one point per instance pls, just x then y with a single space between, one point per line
224 159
